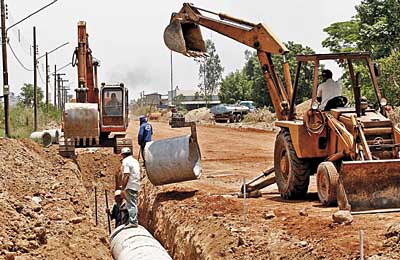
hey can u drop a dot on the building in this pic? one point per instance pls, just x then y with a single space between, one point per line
191 99
153 99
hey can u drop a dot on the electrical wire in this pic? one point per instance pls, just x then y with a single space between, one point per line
16 57
40 76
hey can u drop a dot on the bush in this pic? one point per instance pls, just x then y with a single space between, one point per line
21 119
394 115
260 115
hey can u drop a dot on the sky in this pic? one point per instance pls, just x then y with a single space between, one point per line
127 37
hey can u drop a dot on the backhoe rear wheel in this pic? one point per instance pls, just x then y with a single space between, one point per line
292 173
327 183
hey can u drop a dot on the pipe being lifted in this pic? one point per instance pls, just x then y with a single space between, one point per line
136 244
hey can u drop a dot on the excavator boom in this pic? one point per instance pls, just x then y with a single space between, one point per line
183 35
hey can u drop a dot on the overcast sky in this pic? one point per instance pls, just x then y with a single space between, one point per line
127 36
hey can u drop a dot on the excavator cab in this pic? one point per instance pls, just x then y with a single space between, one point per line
114 108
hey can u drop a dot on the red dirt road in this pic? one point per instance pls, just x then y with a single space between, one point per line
213 221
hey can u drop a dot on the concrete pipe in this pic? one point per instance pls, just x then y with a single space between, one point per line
136 244
47 137
173 160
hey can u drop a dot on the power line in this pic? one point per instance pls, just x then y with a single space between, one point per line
40 76
16 57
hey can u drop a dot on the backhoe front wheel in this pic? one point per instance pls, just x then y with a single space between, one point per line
327 183
292 173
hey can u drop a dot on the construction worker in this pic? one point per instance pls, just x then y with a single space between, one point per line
328 89
119 211
130 185
145 133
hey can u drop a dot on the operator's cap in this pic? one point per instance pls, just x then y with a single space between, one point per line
125 150
117 193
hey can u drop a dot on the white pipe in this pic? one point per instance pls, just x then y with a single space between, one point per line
136 244
47 137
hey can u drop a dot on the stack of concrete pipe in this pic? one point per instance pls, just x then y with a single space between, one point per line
47 137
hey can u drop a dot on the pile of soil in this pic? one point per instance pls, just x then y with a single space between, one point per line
45 212
200 115
394 115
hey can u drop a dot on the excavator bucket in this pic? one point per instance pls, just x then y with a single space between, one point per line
185 38
369 185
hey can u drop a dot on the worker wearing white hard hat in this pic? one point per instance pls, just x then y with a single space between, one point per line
130 170
119 211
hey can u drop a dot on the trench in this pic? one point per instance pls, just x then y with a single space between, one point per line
182 242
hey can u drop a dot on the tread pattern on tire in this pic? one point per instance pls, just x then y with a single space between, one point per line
296 186
333 180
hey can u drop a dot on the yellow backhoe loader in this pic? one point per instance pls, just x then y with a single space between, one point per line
353 149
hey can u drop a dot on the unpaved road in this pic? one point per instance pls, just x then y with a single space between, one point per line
215 225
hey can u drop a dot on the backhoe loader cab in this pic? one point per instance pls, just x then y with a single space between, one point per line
354 149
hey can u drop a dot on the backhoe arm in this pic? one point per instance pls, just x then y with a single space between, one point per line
183 35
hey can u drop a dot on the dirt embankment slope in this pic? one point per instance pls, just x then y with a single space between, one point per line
45 212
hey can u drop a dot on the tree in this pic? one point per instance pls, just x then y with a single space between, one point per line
343 36
234 87
27 96
253 73
374 28
210 71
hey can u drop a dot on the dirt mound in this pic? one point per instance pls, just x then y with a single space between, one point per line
199 115
45 210
394 115
261 115
302 108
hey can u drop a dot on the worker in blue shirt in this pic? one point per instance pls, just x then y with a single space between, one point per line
145 133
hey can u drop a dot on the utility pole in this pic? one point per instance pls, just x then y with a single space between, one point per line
47 82
6 88
172 83
34 80
5 70
55 85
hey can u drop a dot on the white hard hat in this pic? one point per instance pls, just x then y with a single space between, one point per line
117 193
125 150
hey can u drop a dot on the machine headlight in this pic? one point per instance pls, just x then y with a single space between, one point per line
383 102
314 105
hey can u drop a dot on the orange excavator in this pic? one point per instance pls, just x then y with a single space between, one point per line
353 149
99 118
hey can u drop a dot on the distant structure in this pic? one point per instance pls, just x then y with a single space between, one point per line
191 99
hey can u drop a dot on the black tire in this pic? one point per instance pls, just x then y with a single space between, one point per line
238 118
232 119
292 173
327 183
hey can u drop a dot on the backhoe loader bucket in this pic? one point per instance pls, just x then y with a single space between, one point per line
368 185
185 38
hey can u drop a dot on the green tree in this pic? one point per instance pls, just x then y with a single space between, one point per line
343 36
253 73
210 71
27 96
235 87
374 28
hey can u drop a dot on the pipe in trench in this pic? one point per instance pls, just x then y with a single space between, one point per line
136 244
